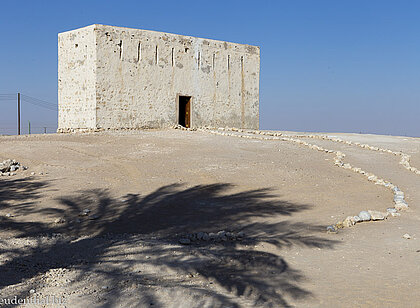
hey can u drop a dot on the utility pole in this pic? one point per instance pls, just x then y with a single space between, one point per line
45 130
18 106
29 127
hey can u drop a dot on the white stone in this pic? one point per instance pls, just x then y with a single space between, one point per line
200 235
364 216
184 241
407 236
401 206
331 229
398 198
349 221
60 220
372 178
376 215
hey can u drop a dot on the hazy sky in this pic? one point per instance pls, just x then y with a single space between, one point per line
336 66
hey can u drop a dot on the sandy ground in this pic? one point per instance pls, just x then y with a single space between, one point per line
147 189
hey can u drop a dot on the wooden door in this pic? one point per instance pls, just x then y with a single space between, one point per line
188 113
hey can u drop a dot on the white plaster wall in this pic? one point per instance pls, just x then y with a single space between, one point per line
76 79
137 87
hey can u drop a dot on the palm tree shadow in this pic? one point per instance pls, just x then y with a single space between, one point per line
171 210
22 190
158 220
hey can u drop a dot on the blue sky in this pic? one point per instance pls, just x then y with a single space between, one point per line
334 66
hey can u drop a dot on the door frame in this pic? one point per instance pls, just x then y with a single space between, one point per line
178 95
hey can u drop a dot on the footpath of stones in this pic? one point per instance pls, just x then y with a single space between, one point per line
367 215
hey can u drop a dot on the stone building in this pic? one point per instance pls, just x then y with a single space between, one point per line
120 78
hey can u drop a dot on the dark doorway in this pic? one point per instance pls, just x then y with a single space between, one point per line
184 111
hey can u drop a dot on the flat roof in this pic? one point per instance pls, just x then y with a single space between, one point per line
157 32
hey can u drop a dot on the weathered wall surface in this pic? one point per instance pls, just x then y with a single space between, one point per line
76 79
139 74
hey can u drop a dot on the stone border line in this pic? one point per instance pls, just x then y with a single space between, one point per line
399 203
404 161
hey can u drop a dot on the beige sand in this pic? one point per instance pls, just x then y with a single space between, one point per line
148 189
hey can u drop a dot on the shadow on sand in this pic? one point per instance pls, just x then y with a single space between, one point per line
155 222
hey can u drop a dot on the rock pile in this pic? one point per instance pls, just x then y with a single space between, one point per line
221 236
177 126
10 166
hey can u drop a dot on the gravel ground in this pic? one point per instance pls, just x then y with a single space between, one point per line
96 221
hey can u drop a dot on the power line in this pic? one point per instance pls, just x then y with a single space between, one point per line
40 105
39 102
31 126
30 100
7 97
